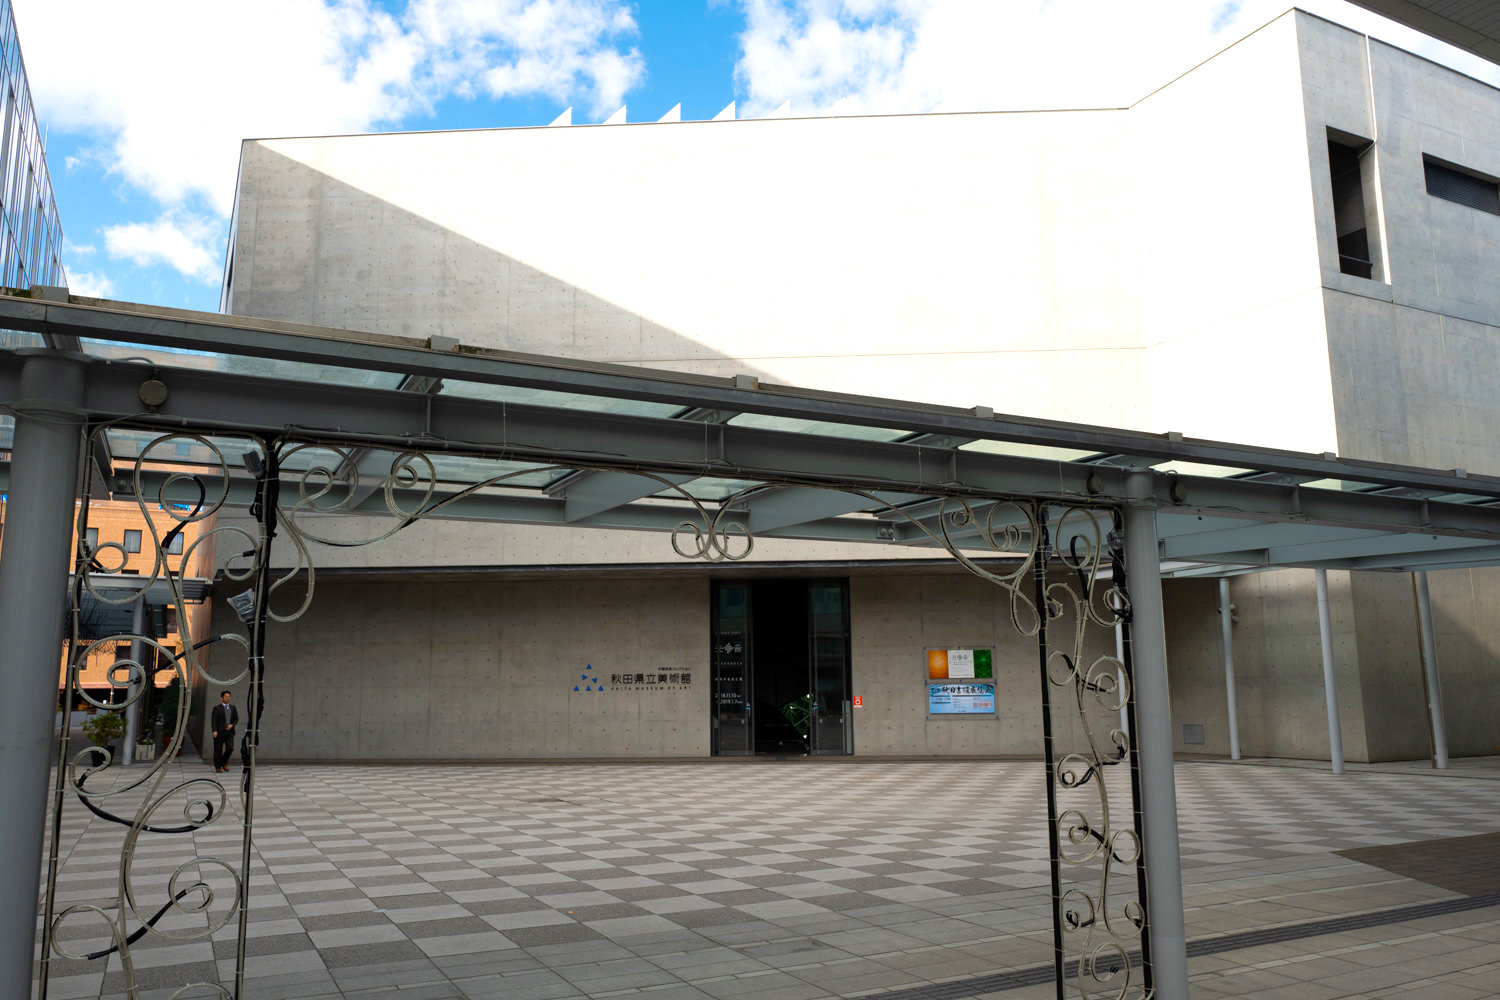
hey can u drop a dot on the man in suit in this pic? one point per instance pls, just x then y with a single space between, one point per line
223 721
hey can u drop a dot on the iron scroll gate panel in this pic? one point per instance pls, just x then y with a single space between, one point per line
1066 588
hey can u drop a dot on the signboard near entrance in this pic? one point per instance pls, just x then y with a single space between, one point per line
961 699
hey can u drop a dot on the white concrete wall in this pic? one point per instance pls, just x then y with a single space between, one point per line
1278 662
960 259
462 543
1414 357
895 618
486 669
1230 290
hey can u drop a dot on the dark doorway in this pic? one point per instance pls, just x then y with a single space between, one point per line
783 696
780 665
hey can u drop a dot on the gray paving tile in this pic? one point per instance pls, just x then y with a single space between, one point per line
875 875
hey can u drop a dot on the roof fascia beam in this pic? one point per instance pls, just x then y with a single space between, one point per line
354 415
205 331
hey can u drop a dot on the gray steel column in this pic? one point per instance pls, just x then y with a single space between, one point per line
1330 685
33 602
1148 648
138 654
1120 675
1430 671
1226 623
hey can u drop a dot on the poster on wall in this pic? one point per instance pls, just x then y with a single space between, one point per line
960 699
960 664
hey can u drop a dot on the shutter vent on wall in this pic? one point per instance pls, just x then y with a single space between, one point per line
1465 189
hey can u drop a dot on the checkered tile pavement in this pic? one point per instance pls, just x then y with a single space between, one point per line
775 881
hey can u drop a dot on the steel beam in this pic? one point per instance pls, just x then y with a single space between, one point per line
782 508
403 420
588 493
365 351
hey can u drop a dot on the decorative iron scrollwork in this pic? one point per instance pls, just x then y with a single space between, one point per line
1056 562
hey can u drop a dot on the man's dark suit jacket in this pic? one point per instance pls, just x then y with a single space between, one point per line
220 718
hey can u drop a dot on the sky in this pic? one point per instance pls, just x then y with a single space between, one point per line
145 103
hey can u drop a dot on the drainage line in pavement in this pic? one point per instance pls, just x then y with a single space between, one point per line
1037 974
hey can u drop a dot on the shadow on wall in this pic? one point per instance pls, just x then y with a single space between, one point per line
1467 633
1377 661
310 248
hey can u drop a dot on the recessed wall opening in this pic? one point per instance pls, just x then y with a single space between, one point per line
1351 166
1463 187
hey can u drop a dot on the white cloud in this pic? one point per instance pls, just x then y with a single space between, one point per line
171 88
90 285
188 243
892 56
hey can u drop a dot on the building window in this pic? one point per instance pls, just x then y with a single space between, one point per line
1458 185
132 540
175 546
91 540
1353 224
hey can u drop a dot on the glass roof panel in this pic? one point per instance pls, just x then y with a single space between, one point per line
549 397
797 425
1351 485
709 489
1016 449
464 470
1200 469
126 444
13 340
239 364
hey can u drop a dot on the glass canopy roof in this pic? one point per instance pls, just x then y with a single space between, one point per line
550 440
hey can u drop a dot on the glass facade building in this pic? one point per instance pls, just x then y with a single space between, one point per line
30 232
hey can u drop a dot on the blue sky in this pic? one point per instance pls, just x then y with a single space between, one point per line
145 102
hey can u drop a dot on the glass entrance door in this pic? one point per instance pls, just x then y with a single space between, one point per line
733 719
828 658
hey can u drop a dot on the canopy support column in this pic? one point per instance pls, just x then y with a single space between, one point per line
1120 675
1330 685
1167 937
1226 623
138 654
1430 671
33 589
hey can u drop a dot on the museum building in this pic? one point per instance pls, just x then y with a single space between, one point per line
1296 245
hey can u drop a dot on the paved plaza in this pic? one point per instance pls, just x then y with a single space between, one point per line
797 879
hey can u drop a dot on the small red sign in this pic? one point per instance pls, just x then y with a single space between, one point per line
859 701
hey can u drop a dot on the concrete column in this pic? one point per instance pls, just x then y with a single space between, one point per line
1226 623
1120 674
33 605
1330 685
1430 671
1153 740
138 654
